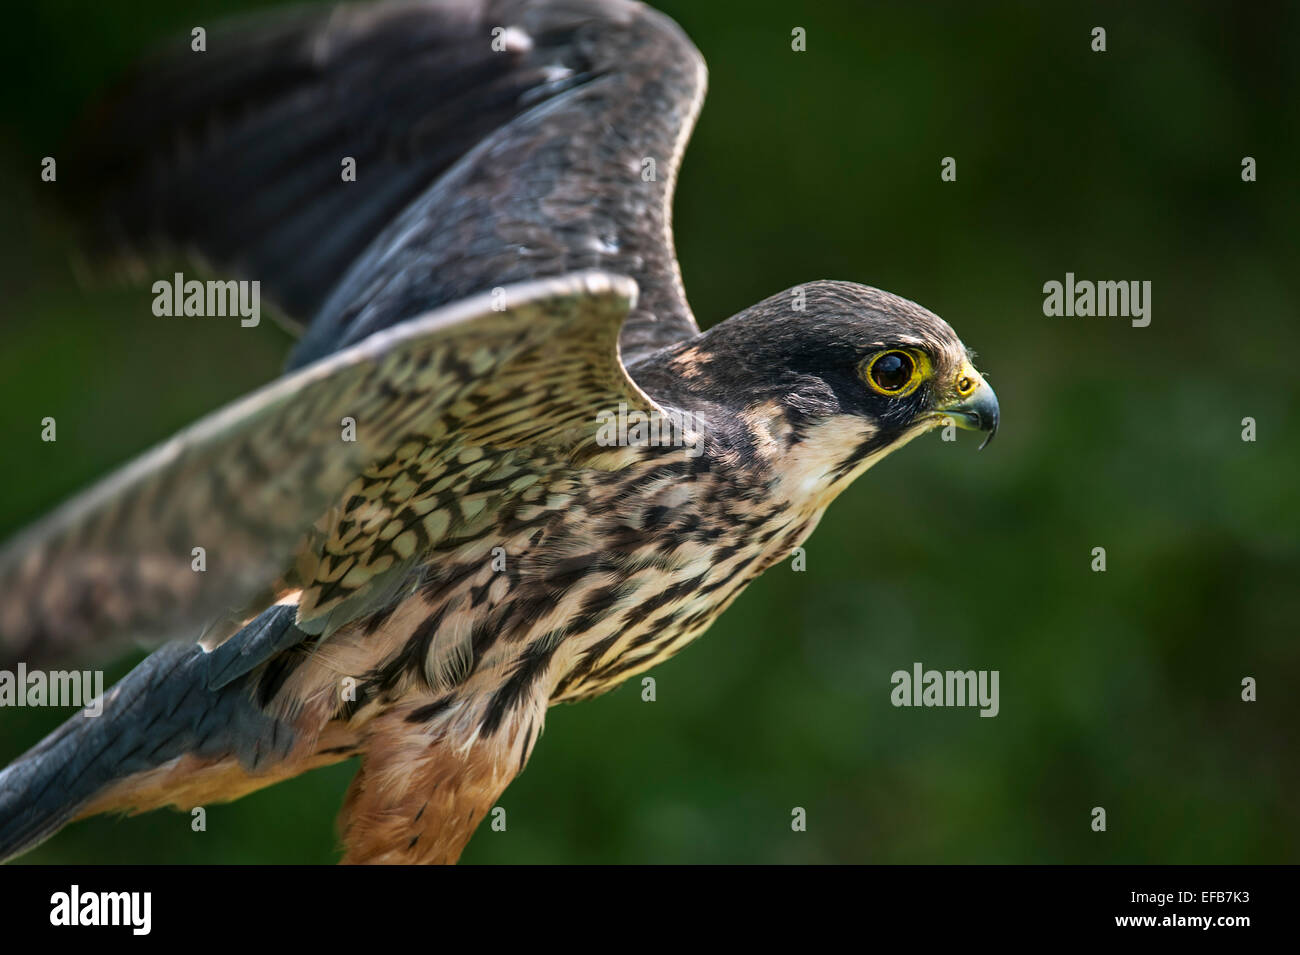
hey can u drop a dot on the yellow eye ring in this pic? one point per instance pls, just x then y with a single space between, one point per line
895 372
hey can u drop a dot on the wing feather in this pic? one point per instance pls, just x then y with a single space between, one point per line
494 141
249 481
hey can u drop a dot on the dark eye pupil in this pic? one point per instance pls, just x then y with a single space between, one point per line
892 371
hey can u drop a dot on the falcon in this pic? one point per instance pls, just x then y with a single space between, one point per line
422 536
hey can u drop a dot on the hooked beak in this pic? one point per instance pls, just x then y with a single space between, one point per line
978 411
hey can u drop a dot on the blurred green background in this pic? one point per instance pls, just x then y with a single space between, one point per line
1118 689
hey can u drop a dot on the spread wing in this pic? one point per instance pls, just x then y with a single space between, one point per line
248 482
494 141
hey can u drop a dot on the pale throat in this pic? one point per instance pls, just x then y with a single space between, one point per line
810 477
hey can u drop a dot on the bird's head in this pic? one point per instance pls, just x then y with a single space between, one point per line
826 378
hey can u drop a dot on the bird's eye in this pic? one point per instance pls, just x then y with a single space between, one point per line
892 373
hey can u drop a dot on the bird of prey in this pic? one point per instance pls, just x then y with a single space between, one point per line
427 531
